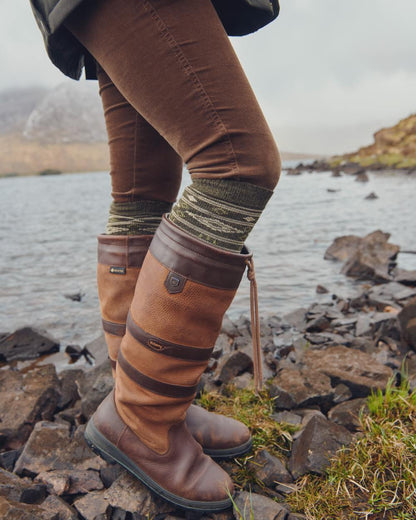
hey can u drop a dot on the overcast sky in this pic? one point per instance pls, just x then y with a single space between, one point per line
327 73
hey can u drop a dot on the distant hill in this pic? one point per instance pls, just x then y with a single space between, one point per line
16 106
393 147
59 129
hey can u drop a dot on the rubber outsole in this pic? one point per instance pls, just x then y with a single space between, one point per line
230 453
110 453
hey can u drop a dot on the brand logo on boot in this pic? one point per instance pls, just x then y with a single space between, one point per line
175 283
117 270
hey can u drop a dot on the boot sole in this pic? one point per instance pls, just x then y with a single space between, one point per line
110 453
230 453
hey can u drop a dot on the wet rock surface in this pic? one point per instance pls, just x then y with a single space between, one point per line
321 362
26 343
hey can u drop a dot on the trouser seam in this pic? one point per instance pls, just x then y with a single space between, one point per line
193 76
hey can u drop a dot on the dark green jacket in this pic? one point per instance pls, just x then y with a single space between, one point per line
239 17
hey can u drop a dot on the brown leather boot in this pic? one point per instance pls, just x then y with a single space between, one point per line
184 288
120 258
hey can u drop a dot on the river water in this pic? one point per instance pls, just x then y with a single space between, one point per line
48 227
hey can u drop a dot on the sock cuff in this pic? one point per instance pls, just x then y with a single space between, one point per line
240 193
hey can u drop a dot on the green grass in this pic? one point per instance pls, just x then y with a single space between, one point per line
255 412
374 478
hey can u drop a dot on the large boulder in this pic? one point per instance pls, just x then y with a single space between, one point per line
374 258
359 371
368 258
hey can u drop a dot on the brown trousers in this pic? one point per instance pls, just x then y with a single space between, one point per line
177 94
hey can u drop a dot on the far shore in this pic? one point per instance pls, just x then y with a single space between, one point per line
20 157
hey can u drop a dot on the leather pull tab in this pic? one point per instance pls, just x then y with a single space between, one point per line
255 327
175 283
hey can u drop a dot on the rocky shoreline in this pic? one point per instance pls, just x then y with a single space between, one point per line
320 363
345 167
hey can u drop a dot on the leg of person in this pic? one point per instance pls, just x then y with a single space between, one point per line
145 177
205 109
144 168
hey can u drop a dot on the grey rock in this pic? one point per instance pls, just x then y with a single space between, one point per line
8 459
92 505
68 388
296 318
94 386
341 393
20 489
269 469
407 321
259 506
287 418
26 343
228 327
70 482
24 399
389 294
362 177
320 289
60 507
347 414
295 388
342 248
357 370
352 169
318 324
98 351
129 494
373 259
222 346
318 442
110 474
243 381
406 277
232 365
11 510
50 447
371 196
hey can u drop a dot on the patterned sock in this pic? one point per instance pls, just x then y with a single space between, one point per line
221 212
140 217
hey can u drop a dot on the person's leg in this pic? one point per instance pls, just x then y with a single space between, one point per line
145 178
173 62
145 174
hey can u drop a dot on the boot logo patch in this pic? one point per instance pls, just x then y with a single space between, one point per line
114 269
155 346
175 283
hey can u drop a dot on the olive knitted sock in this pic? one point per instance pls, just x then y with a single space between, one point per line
141 217
221 212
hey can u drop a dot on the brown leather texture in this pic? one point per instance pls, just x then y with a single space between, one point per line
191 318
214 431
183 469
123 250
115 291
165 347
197 260
154 385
